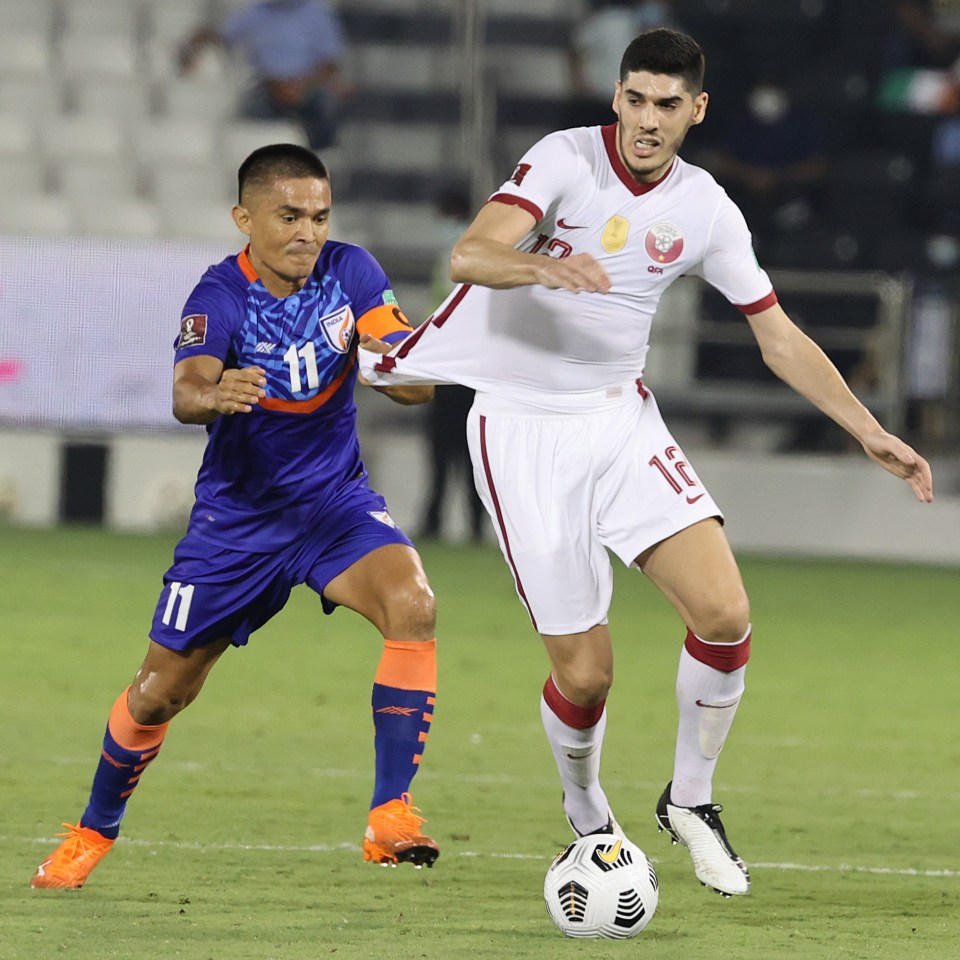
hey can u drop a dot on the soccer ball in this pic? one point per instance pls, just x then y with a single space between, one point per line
602 885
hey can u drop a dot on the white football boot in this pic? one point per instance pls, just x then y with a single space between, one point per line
699 829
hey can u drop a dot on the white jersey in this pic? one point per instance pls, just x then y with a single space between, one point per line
557 350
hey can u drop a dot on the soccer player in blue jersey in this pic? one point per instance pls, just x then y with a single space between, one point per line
266 358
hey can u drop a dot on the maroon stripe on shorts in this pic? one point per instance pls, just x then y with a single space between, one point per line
500 523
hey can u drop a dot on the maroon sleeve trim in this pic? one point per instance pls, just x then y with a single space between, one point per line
510 198
759 305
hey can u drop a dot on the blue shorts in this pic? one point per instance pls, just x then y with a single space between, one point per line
212 592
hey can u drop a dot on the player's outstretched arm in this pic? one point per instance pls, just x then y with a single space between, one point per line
203 390
801 364
407 395
486 254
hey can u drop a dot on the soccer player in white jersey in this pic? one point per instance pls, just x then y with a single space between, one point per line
560 274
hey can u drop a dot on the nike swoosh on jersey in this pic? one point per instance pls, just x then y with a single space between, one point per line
696 498
568 226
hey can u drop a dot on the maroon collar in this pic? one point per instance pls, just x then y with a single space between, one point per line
609 134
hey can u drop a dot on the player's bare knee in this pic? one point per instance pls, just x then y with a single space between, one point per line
725 623
151 704
412 613
586 687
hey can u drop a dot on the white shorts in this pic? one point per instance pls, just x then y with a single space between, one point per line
562 489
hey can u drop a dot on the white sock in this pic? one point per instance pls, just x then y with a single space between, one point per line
707 700
577 752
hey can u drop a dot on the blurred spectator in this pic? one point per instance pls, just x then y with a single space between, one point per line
447 415
294 48
918 38
931 344
596 46
922 60
774 163
923 80
932 328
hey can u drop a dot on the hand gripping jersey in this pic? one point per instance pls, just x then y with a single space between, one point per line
269 474
543 347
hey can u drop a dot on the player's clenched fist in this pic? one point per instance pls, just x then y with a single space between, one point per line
240 390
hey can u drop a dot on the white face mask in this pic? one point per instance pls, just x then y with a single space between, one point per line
768 104
943 251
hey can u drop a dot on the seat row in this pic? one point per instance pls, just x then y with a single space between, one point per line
154 141
398 232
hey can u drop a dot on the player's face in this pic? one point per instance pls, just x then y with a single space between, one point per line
287 221
656 110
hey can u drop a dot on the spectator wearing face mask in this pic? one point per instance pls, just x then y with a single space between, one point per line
773 162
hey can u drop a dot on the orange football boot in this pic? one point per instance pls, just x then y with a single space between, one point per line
70 864
393 835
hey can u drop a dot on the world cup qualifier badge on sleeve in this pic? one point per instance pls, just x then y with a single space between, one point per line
193 331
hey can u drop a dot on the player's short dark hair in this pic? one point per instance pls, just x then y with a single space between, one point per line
284 160
665 51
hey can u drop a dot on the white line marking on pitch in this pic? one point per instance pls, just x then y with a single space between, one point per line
354 848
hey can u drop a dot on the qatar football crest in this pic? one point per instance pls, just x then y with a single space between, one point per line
664 242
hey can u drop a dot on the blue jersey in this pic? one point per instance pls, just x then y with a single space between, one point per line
268 475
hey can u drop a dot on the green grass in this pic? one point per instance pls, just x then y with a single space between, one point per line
842 774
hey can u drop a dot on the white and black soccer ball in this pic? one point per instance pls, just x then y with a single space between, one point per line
602 885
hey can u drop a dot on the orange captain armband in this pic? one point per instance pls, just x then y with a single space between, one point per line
382 320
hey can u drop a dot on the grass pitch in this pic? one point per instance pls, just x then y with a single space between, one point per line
841 778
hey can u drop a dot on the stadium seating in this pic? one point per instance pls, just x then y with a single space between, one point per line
37 214
175 182
27 16
21 175
96 81
531 70
30 95
79 135
99 132
210 99
80 56
410 67
200 220
18 135
129 101
86 181
25 52
117 217
159 140
110 20
239 138
172 20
